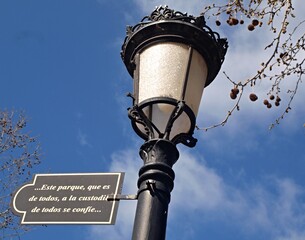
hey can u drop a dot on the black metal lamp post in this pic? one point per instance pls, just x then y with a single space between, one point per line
171 56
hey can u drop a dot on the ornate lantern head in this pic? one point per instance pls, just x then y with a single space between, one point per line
171 56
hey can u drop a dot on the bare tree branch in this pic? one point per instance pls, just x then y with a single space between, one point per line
285 61
19 152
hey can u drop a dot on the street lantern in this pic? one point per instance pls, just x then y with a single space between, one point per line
172 57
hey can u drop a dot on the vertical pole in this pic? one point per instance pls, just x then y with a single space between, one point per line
156 181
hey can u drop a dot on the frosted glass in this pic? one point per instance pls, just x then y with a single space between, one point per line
162 69
197 78
162 72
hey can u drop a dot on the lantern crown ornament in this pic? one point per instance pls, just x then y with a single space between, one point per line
171 56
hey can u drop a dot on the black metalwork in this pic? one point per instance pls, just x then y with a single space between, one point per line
137 116
187 72
165 24
117 197
156 181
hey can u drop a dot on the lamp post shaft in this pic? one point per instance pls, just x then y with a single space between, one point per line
156 181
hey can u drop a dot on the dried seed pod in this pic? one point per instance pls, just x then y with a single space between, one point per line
255 22
218 23
241 21
271 97
251 27
253 97
235 21
277 104
230 21
269 105
233 96
278 99
266 102
235 90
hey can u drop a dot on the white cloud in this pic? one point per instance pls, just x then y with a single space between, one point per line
293 236
195 181
271 205
128 162
82 139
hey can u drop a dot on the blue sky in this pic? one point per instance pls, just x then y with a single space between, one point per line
60 63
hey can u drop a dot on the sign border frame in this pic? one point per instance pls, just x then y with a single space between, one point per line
112 217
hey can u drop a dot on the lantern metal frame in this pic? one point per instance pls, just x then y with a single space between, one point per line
137 116
167 25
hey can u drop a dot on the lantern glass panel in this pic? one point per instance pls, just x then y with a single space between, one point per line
162 73
170 70
161 70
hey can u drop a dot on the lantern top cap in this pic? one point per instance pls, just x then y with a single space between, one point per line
165 24
165 13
